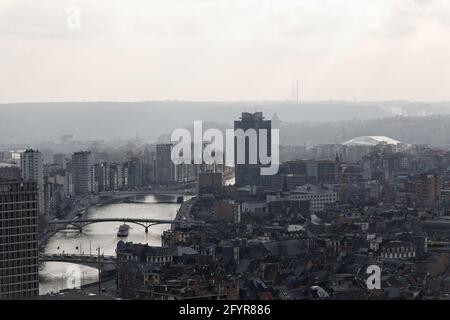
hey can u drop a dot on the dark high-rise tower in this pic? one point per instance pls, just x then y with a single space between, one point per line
83 172
18 239
165 168
247 173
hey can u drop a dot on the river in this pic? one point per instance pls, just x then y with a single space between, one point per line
104 235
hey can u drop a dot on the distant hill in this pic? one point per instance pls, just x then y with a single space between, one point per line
432 130
321 121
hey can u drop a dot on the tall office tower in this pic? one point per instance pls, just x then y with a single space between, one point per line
18 239
247 173
428 190
32 167
60 160
210 167
165 168
135 172
83 172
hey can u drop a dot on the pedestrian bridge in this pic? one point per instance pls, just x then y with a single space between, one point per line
78 224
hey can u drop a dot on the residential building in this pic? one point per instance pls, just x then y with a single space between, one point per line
165 168
428 189
60 160
83 172
18 239
32 168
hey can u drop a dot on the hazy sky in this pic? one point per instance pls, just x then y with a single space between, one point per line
224 50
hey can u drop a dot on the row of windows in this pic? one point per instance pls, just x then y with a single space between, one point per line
15 251
22 222
314 197
20 294
14 262
15 215
17 197
18 229
397 249
17 239
159 259
19 187
19 290
398 255
18 206
19 274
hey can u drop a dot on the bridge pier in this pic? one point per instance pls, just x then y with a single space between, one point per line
146 229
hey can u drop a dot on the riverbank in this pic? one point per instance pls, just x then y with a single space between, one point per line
108 291
83 204
104 236
80 204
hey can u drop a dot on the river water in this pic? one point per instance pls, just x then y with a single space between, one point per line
53 275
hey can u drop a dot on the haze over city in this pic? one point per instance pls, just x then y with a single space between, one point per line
224 50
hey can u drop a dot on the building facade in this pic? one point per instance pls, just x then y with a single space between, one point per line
82 172
249 173
60 160
32 168
165 168
428 190
18 239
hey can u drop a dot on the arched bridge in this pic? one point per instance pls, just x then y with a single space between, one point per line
105 262
78 224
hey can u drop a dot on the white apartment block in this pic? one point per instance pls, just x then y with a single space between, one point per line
318 197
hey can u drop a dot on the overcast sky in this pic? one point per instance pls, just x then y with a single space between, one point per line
128 50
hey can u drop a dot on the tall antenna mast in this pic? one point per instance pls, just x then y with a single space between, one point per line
293 88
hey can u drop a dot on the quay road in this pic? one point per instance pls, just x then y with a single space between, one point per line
106 268
84 259
155 191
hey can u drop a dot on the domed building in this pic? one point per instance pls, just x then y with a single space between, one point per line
371 141
355 149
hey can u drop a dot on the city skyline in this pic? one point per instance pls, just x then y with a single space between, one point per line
351 220
224 156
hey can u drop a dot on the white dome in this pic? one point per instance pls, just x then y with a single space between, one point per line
370 141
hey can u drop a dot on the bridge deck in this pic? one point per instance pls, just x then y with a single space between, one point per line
106 262
131 220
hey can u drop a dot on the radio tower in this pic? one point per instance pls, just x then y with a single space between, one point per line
295 90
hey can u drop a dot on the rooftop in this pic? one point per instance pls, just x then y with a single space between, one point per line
371 141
